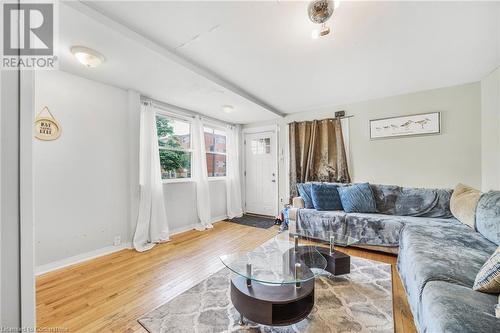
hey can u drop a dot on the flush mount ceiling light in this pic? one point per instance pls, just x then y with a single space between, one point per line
227 108
319 12
87 57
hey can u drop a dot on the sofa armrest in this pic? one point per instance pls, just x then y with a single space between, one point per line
298 202
292 213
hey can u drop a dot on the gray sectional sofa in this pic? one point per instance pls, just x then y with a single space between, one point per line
439 257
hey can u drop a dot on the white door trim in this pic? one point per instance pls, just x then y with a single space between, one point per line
27 236
255 130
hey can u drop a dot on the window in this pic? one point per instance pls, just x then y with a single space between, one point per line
261 146
215 145
174 141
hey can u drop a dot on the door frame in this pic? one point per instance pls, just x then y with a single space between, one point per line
256 130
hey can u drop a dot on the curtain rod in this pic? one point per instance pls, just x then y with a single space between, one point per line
300 121
182 111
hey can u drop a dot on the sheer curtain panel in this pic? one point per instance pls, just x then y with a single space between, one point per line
152 225
200 175
233 184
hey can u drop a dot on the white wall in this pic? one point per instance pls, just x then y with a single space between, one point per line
80 190
427 161
490 131
180 204
86 182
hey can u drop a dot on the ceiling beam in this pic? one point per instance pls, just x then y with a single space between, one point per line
115 24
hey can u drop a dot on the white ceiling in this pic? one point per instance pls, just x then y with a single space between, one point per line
131 65
377 49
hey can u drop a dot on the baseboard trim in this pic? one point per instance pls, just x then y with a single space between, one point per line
218 218
79 258
183 229
58 264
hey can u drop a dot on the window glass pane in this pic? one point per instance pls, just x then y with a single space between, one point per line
173 133
215 140
216 165
261 146
175 164
209 139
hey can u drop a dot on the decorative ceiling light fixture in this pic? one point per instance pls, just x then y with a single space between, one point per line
319 12
86 56
227 108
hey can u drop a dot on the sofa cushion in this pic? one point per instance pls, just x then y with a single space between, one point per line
439 252
369 228
380 229
447 307
408 201
463 204
357 198
488 216
317 222
304 190
488 278
325 197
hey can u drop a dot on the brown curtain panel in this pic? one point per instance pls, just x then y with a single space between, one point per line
317 153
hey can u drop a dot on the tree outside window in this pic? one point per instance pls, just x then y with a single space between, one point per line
174 141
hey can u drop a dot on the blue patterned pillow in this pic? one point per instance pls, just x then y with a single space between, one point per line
488 278
357 198
325 197
304 190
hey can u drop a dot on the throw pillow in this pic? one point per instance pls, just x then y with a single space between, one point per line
488 216
497 308
325 197
488 278
304 190
357 198
463 204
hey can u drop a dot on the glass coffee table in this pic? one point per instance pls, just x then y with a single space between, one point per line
274 283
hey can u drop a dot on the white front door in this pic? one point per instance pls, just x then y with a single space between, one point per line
261 175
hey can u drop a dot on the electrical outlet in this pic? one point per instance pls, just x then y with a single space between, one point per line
117 241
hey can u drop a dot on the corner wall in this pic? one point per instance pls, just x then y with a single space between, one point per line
80 179
425 161
490 131
86 182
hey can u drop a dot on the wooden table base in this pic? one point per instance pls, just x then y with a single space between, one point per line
273 305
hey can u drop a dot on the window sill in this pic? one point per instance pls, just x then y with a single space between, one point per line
189 180
214 179
178 180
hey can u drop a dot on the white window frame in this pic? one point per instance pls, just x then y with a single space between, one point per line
222 129
162 113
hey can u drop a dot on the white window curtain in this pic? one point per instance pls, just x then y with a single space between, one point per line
200 175
233 184
152 225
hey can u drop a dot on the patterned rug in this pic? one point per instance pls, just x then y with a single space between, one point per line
357 302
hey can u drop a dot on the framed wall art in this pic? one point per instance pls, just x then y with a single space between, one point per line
418 124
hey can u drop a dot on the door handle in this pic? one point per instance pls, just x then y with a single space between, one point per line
274 180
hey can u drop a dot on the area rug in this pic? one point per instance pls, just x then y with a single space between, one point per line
357 302
254 221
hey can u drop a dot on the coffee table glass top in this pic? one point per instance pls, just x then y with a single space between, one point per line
326 236
278 261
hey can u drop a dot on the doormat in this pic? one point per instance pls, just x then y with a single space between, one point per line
254 221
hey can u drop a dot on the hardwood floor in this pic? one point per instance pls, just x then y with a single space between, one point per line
109 293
